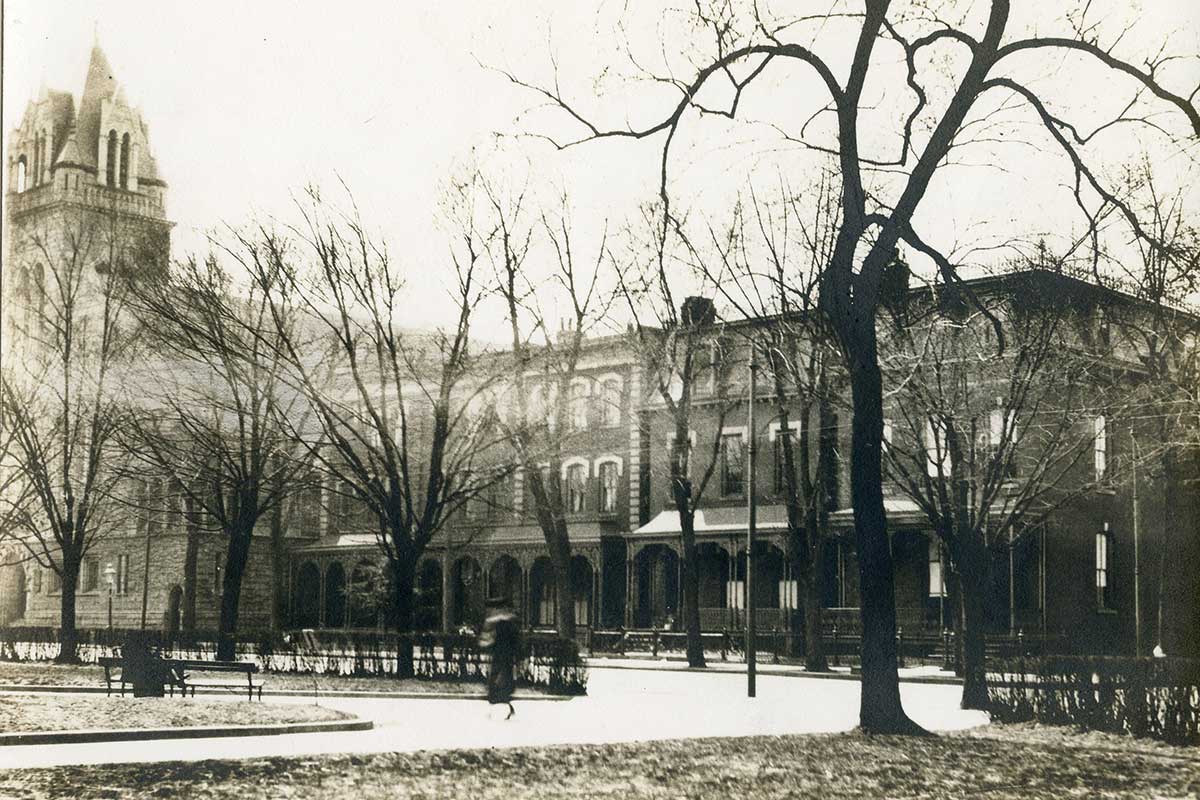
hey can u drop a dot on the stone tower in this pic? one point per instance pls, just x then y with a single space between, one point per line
72 169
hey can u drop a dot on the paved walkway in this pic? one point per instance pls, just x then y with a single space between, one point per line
623 705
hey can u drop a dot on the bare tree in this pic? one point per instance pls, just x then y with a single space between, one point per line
881 193
766 266
406 419
222 427
545 363
686 360
989 445
1165 276
62 392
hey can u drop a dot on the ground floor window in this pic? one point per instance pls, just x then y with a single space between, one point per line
1104 542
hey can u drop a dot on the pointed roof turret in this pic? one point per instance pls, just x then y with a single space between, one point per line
100 85
69 155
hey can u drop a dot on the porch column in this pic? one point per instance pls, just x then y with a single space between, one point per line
629 596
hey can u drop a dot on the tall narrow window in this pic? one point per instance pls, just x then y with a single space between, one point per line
937 581
611 395
122 586
1104 545
90 575
22 174
1002 441
124 170
937 454
110 168
37 159
732 464
1100 446
783 437
218 575
607 474
579 406
576 487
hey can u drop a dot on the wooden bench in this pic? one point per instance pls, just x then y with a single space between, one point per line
182 669
178 674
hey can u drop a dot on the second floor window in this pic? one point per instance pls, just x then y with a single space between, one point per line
607 474
122 579
576 487
611 411
732 464
579 407
89 576
1100 446
781 471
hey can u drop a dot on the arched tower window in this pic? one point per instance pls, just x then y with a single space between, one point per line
22 174
37 158
111 167
125 161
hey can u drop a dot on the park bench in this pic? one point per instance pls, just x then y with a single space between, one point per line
184 671
181 673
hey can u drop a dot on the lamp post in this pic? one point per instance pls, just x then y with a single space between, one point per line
752 514
110 578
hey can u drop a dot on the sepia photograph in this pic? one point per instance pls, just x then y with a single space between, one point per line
596 399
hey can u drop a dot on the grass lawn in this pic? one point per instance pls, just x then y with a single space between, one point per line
52 712
42 673
998 762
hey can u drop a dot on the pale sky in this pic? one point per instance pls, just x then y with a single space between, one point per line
248 101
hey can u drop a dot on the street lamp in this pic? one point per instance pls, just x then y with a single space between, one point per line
110 575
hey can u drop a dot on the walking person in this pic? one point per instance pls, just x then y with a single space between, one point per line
501 638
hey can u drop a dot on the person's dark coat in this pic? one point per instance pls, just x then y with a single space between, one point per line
501 638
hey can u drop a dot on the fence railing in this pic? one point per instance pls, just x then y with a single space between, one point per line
1157 698
548 661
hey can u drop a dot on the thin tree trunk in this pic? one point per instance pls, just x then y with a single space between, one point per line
881 710
954 606
278 569
691 593
975 575
191 557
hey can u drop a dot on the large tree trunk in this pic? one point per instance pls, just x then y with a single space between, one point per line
564 591
814 639
691 593
881 710
68 651
231 593
191 557
976 580
404 603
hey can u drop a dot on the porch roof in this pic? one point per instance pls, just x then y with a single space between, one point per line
343 541
900 511
731 519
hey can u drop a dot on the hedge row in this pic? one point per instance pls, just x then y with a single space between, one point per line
548 662
1157 698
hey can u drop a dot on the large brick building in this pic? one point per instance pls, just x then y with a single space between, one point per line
157 570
